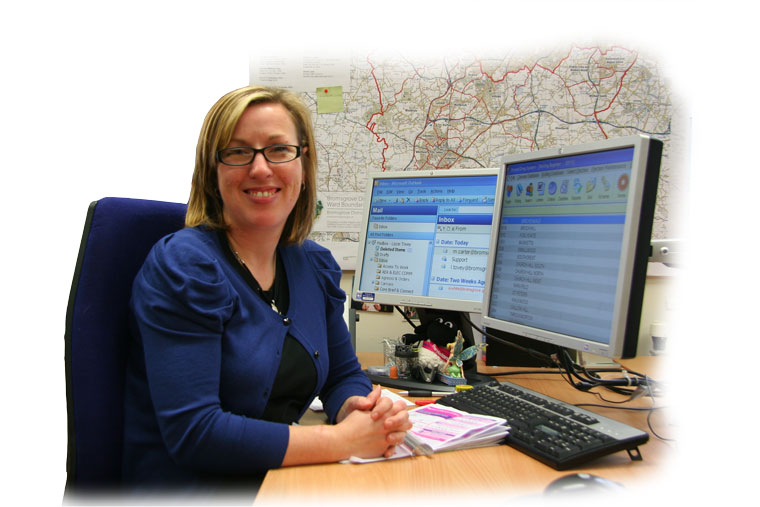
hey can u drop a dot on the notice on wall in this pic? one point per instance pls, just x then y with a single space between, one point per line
301 72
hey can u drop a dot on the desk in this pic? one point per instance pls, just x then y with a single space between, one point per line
497 470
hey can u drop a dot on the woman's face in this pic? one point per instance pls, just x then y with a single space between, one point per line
260 196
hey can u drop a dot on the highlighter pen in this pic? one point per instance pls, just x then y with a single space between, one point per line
420 393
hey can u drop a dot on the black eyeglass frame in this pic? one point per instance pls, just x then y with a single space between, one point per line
256 151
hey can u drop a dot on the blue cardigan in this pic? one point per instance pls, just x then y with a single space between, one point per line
205 353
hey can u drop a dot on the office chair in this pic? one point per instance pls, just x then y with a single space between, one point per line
118 234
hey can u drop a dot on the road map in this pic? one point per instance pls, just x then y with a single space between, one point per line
407 114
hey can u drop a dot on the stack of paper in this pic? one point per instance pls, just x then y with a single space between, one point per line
447 429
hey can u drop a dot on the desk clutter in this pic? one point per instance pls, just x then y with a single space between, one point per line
555 433
410 362
525 475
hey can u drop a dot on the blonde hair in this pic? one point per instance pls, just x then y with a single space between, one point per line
205 206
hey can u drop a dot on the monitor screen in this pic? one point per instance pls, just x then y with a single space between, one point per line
425 238
570 244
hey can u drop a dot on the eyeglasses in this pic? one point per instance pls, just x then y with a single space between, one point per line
244 155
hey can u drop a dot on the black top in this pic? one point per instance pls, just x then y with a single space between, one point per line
297 376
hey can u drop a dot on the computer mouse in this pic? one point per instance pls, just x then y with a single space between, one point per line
581 483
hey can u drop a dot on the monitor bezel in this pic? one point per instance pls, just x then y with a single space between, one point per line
384 298
634 252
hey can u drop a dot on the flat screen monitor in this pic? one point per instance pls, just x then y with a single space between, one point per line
425 237
570 244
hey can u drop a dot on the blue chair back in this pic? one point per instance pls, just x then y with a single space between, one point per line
118 235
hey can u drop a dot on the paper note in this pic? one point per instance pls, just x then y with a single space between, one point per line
330 99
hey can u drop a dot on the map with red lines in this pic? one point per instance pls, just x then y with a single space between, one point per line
404 114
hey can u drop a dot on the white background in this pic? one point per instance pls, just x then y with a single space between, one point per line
97 100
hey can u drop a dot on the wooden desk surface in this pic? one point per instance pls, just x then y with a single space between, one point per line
497 470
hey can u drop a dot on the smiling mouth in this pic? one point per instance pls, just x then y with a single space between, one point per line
261 193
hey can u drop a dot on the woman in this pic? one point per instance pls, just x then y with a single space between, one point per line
238 318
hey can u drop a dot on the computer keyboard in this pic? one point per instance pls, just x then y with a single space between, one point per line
554 432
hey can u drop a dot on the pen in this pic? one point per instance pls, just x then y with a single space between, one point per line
421 393
417 447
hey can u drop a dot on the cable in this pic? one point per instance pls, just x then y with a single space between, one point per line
560 360
414 326
533 353
585 379
651 411
634 409
588 379
649 417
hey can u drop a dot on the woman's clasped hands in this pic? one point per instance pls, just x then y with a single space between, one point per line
371 426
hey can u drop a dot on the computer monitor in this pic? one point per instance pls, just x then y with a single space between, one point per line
570 244
424 244
424 239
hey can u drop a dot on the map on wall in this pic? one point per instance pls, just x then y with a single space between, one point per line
402 113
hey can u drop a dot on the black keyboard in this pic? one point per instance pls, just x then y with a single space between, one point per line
554 432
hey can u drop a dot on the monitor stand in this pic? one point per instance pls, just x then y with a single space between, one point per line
408 384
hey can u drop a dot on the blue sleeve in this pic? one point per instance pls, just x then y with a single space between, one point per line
345 377
181 302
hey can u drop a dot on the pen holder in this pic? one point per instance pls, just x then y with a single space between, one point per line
406 358
389 352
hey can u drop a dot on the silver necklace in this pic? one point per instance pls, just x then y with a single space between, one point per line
259 290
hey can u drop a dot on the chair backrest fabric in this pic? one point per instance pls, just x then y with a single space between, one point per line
118 235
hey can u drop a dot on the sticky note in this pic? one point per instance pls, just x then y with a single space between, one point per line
330 99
